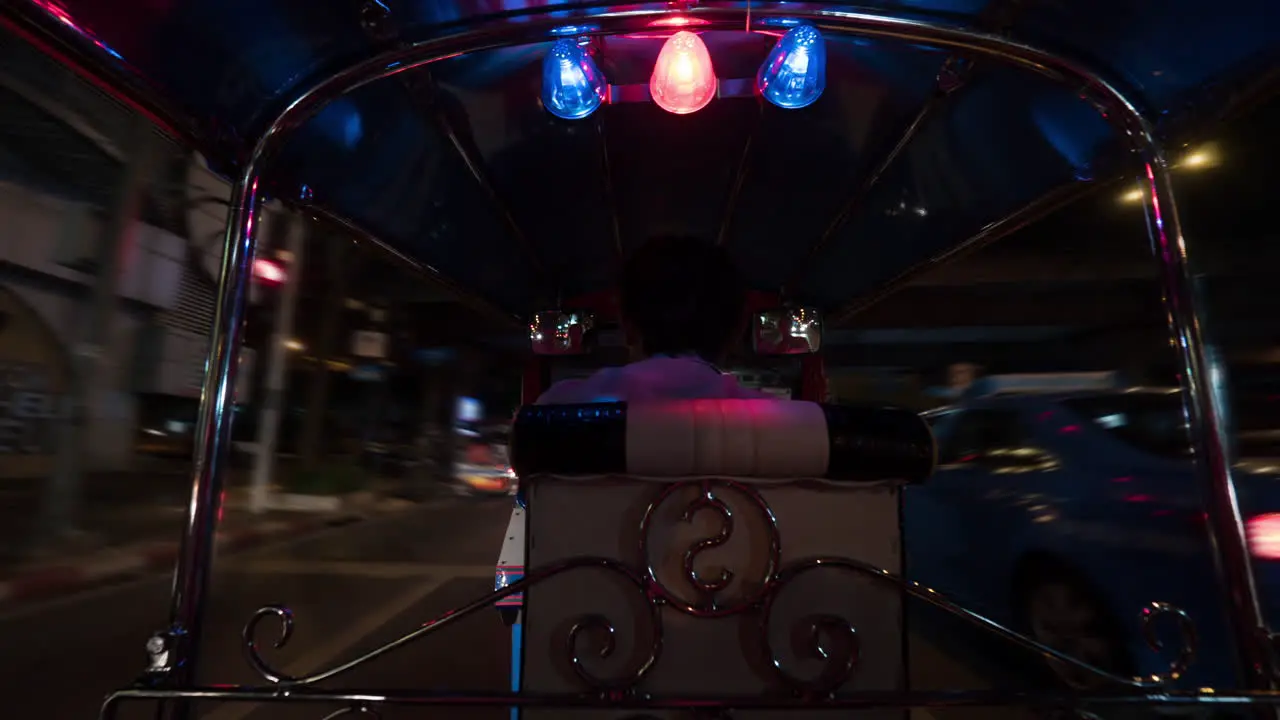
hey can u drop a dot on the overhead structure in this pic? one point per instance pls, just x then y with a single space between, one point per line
792 76
1040 126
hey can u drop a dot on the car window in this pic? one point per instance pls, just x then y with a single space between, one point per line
975 432
1153 423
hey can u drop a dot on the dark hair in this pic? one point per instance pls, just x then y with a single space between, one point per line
683 295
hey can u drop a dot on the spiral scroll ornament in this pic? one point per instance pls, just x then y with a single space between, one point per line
1184 656
708 588
600 626
831 640
249 640
593 625
1186 634
708 603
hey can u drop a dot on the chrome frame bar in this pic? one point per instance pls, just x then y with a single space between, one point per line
606 170
869 178
1201 371
1025 216
377 22
361 701
474 161
740 172
954 74
1205 404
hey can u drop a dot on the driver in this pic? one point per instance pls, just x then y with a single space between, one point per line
683 307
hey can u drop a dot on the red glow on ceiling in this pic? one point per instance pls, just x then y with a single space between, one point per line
678 21
667 26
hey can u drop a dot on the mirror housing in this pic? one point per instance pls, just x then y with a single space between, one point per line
787 331
560 332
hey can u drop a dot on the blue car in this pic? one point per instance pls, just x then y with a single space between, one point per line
1063 514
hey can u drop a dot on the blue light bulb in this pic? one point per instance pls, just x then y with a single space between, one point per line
572 85
795 73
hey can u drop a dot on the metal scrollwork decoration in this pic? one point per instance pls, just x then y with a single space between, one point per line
1186 634
1184 656
839 660
599 624
250 644
832 640
360 710
838 664
594 623
708 604
708 501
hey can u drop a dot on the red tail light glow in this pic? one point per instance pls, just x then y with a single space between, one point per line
1263 532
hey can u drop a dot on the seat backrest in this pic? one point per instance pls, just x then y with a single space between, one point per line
702 517
743 438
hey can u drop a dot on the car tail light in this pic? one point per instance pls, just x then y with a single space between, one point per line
1264 536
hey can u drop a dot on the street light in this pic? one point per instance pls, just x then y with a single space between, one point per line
1201 158
1132 196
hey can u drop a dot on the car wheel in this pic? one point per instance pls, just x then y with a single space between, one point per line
1059 609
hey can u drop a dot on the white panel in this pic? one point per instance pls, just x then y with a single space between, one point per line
756 438
572 517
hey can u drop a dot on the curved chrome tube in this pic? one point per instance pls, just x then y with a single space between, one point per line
1205 404
833 640
576 637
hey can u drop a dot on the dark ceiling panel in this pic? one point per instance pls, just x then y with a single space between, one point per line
226 66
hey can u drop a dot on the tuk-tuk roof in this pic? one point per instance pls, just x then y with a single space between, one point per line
400 157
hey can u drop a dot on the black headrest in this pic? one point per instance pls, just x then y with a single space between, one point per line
739 438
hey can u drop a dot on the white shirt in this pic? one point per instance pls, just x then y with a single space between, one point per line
657 378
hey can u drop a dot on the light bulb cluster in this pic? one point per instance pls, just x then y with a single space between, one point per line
684 79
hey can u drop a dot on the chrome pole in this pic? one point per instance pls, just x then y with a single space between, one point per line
1204 396
177 652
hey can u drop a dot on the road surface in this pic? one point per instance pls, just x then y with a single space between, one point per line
350 588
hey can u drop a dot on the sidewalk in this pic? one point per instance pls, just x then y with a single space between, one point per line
133 524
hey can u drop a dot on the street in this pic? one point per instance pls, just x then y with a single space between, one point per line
351 589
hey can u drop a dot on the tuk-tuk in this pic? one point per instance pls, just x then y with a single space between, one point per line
781 130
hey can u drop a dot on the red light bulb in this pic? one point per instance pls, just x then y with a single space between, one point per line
683 79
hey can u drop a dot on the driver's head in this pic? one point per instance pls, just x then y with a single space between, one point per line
682 295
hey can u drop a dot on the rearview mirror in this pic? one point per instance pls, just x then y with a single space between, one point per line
787 331
560 332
